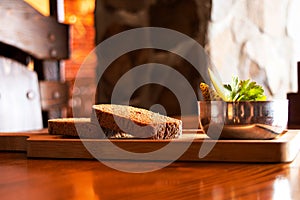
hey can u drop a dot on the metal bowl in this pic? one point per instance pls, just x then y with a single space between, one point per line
243 120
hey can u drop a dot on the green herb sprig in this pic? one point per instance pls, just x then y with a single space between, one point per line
244 90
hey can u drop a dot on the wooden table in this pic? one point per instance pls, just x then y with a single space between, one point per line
25 178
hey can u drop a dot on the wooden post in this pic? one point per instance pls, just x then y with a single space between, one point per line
294 105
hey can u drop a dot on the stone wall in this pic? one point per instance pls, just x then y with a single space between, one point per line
256 39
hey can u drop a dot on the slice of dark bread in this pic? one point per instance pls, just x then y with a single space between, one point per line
138 122
81 127
71 126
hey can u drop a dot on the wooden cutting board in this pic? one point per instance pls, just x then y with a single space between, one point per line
42 145
17 141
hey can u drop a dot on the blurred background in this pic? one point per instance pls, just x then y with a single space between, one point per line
256 39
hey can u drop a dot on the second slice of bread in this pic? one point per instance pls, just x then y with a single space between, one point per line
138 122
71 127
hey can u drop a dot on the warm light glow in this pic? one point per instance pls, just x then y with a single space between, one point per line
40 5
30 65
84 188
217 193
72 19
282 189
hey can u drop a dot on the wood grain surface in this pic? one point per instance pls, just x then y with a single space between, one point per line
23 178
51 178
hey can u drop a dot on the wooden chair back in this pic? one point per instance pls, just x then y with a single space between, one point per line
29 39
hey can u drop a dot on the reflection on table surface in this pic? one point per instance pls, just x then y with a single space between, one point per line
24 178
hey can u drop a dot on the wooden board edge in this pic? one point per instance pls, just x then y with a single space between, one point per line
224 151
292 148
17 141
38 147
13 143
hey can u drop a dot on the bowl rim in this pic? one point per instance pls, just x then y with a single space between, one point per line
252 101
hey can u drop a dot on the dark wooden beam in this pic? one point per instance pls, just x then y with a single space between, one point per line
27 29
